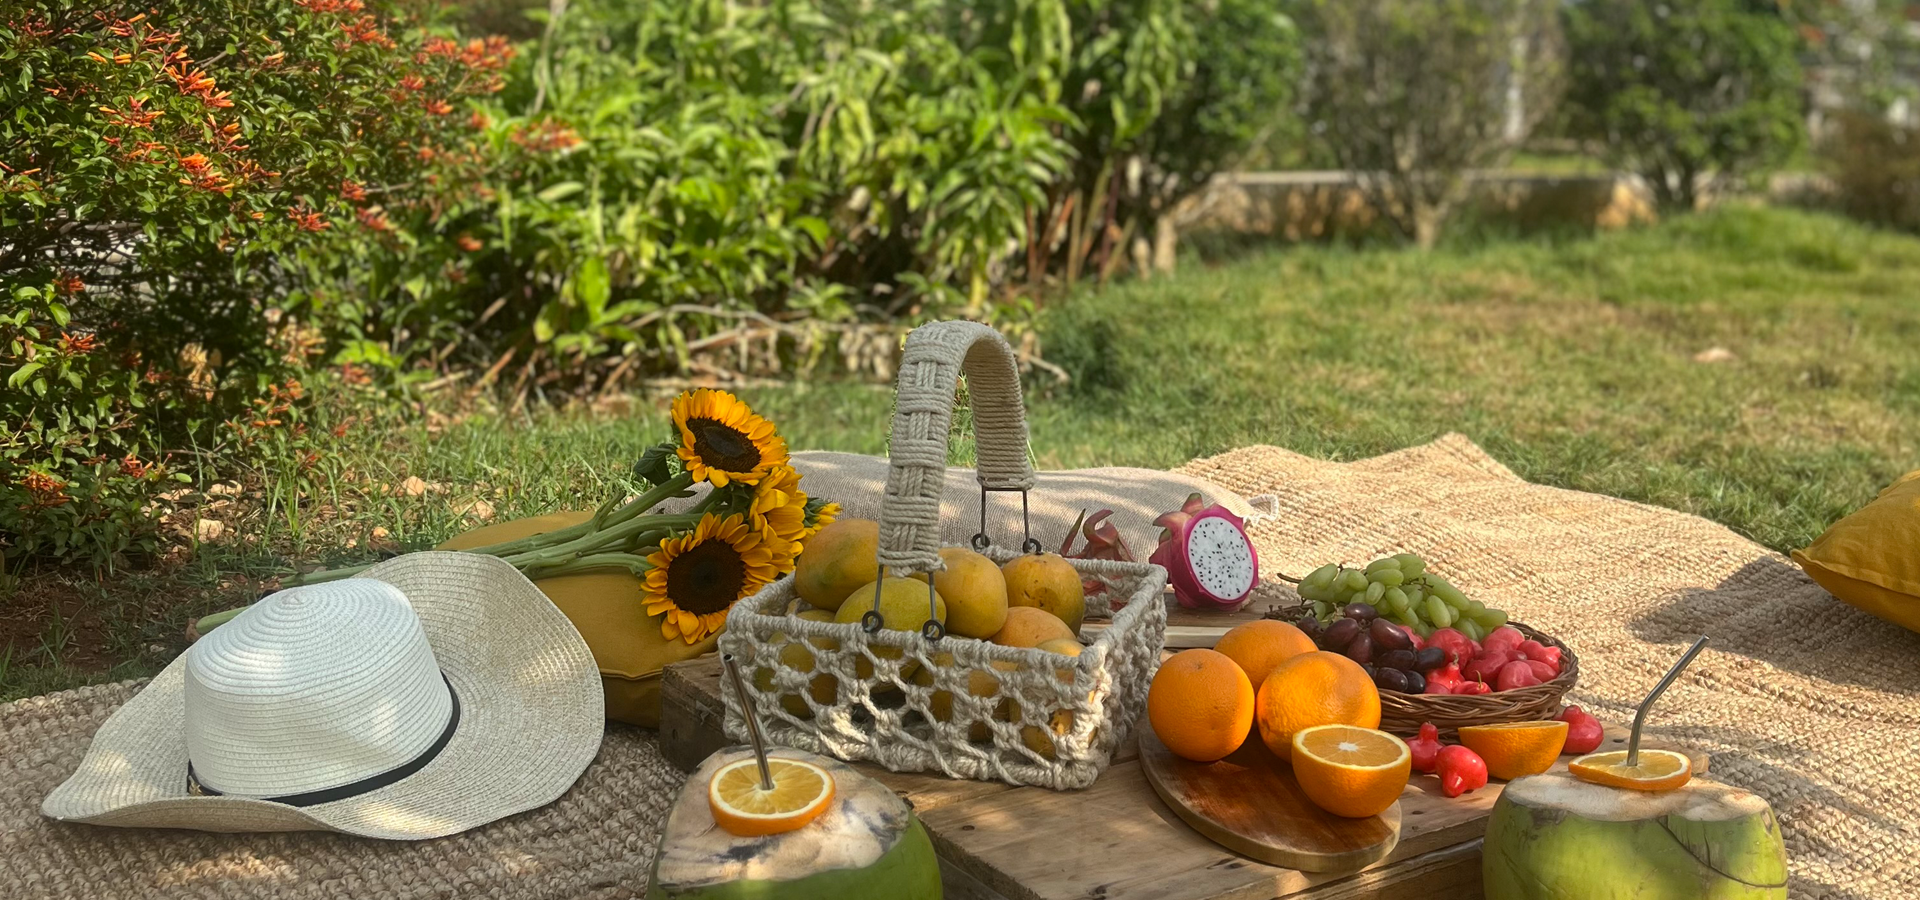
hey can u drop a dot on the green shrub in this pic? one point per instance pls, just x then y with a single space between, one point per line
1875 166
660 173
1681 91
1163 95
1413 95
244 190
168 170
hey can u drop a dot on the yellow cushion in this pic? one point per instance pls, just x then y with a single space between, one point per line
606 608
1871 559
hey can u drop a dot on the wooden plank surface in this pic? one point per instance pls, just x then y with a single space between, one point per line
1116 840
1251 804
1188 628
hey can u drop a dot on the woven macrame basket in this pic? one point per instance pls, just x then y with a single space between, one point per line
1038 718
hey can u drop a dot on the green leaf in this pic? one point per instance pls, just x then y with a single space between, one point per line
652 467
544 325
20 375
563 190
591 286
815 228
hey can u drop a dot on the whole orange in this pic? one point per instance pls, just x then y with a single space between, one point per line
1317 688
1260 645
1200 704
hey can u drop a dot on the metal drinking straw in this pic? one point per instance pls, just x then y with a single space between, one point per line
1640 718
753 721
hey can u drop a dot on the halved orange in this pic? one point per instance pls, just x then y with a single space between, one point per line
1351 771
1514 749
1659 770
801 792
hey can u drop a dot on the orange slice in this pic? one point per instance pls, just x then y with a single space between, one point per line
1350 771
1514 749
1659 770
801 792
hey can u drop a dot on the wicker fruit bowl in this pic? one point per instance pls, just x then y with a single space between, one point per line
1402 713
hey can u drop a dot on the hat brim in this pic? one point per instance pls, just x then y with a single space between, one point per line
531 719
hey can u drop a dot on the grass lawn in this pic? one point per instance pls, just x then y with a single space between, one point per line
1572 359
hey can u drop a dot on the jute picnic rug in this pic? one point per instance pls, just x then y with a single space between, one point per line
1798 698
596 842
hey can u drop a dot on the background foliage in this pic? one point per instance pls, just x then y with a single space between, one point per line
1682 91
223 196
1413 95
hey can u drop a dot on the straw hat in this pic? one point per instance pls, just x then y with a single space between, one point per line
438 692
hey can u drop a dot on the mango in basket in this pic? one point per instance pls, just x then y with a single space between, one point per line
975 592
903 607
798 657
1046 581
843 556
1030 627
980 683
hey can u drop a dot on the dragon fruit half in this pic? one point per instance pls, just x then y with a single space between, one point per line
1209 559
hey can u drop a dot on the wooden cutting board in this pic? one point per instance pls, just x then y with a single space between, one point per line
1250 803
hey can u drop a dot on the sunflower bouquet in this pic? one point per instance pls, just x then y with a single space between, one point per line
695 563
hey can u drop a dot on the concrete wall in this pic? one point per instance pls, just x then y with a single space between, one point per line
1312 205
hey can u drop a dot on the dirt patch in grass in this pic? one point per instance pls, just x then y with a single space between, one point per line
49 619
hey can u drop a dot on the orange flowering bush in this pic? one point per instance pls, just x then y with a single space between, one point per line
173 178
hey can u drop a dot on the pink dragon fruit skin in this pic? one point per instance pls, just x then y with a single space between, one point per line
1210 561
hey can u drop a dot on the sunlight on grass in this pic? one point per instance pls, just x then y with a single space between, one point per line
1571 359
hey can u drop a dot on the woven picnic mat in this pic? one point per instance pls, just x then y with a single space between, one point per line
1798 697
596 842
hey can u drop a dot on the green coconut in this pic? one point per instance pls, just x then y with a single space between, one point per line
1554 836
867 844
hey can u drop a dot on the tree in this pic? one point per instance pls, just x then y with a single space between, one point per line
1681 91
1412 95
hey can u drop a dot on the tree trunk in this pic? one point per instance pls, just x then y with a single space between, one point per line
1427 219
1166 241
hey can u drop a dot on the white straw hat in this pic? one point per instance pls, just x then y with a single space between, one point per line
438 692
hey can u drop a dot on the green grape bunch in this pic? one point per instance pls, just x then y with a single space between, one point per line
1402 590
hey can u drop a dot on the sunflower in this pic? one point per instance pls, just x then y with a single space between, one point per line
722 440
820 514
697 576
779 506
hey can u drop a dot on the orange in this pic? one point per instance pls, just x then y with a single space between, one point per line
1200 704
1513 749
1349 771
1046 581
1659 770
1030 627
1317 688
801 792
1260 645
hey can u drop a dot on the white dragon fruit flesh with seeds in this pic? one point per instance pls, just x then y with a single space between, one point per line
1209 559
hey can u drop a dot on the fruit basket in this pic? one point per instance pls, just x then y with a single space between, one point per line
1402 713
924 701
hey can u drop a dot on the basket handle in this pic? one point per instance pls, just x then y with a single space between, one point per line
930 368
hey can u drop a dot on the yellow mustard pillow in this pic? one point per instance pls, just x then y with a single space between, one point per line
605 607
1871 559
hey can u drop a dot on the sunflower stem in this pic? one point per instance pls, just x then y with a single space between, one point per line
602 520
626 534
326 575
632 562
576 548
